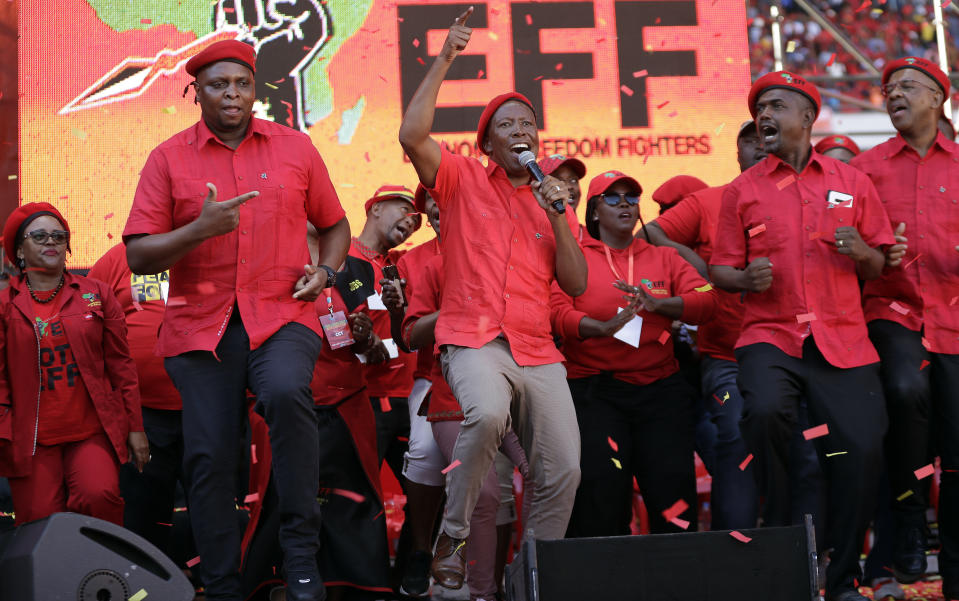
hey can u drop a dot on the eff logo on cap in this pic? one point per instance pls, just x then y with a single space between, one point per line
838 199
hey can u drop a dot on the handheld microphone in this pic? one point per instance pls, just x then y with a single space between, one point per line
528 159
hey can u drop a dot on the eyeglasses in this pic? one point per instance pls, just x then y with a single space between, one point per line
41 236
908 87
614 198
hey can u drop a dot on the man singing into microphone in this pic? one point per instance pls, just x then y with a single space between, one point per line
503 244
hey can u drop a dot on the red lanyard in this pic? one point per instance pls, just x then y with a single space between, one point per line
609 259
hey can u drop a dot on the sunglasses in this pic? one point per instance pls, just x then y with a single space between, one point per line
614 198
908 86
41 236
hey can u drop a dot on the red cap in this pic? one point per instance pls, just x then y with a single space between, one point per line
225 50
919 64
419 199
787 81
675 188
839 141
20 218
603 181
555 161
491 108
389 192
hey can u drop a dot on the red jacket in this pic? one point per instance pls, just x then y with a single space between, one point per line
94 324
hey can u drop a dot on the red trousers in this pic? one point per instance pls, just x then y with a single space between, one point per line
75 476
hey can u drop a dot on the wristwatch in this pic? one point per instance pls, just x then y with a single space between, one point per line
330 275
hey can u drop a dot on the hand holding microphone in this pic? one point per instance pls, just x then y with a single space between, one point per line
528 160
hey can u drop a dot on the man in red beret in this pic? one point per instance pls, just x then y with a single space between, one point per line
503 245
675 189
796 233
838 147
913 320
240 312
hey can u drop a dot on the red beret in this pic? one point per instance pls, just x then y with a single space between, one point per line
491 109
919 64
603 181
675 188
389 192
24 214
840 141
225 50
787 81
419 199
555 161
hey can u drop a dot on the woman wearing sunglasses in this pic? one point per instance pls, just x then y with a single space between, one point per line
635 411
69 401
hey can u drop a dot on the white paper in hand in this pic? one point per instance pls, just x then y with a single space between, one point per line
391 348
630 332
375 302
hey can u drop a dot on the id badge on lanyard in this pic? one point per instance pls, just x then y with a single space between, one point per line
335 326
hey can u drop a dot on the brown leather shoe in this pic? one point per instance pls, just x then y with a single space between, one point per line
449 562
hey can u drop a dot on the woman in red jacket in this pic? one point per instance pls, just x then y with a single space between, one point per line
635 410
69 401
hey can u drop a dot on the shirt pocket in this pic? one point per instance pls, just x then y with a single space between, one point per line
188 197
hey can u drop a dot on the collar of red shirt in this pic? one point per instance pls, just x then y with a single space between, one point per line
366 251
773 162
496 170
899 145
204 135
638 245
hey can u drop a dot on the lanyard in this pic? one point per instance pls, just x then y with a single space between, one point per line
329 300
609 259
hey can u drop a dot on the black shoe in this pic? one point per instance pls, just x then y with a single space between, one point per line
304 585
847 595
416 577
909 561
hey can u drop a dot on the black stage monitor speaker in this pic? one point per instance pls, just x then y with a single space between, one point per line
777 564
72 557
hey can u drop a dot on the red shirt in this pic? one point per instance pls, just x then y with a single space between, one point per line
922 193
692 222
665 274
393 377
428 284
143 299
412 263
66 411
815 289
256 265
500 261
338 374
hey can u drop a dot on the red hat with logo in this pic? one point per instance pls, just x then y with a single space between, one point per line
784 80
226 50
675 188
555 161
20 218
603 181
491 108
389 192
838 141
919 64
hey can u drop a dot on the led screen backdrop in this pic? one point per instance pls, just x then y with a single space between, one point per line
653 88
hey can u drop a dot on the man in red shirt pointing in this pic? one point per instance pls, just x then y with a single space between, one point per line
240 308
503 245
797 232
912 313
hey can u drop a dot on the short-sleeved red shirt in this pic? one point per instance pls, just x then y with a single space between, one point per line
143 299
772 211
923 193
692 222
255 266
664 274
338 374
409 264
500 259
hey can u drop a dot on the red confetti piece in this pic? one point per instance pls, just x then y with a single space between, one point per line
451 467
164 524
923 365
954 300
253 497
537 78
659 106
680 522
675 509
945 3
385 406
480 74
529 19
673 114
559 66
718 400
205 288
176 301
786 181
925 472
146 21
612 444
926 345
626 90
107 216
866 4
665 335
814 235
420 60
192 562
383 78
816 432
742 466
641 73
109 236
556 83
757 230
739 536
803 318
416 42
911 261
898 308
645 158
349 494
402 439
229 10
832 59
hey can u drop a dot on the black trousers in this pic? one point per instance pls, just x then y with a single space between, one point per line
653 429
213 389
149 495
851 404
944 376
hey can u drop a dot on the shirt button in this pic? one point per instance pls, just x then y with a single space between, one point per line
805 202
920 212
244 231
808 282
921 236
506 295
921 187
239 177
808 227
515 215
511 268
242 260
515 240
840 220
